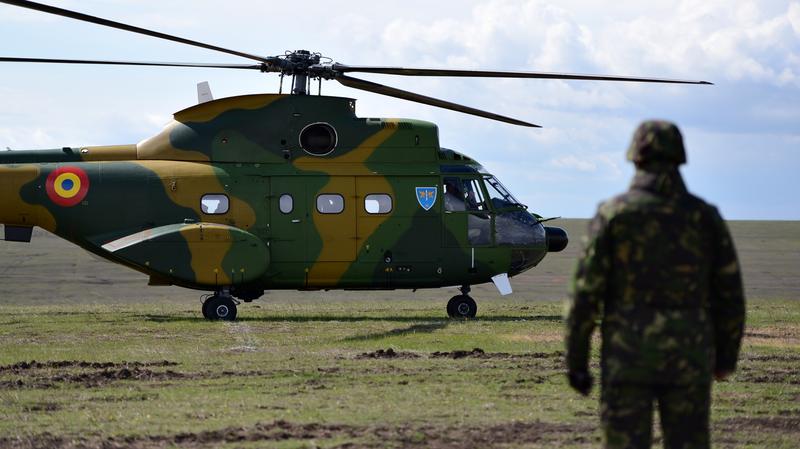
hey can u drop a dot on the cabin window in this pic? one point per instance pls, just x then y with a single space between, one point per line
378 203
330 203
214 204
286 203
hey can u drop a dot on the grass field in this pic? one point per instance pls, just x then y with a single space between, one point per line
90 357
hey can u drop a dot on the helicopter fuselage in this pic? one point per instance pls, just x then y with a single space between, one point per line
267 192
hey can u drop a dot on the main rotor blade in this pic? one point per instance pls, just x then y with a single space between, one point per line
503 74
369 86
139 63
121 26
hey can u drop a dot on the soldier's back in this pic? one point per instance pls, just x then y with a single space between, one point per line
656 326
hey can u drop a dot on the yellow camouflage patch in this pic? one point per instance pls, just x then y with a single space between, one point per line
186 182
205 112
328 273
160 147
15 211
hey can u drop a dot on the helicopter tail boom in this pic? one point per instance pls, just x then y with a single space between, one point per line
69 154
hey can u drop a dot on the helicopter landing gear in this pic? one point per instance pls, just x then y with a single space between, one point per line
462 306
220 306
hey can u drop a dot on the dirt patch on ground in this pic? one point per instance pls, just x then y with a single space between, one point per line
481 354
49 374
476 352
45 407
475 437
778 424
773 336
772 357
784 377
387 354
460 354
93 379
760 335
357 437
22 367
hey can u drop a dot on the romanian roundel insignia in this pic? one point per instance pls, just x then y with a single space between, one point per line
67 186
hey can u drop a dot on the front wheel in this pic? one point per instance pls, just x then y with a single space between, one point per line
220 308
462 306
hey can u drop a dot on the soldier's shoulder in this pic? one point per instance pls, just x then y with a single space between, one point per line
703 206
634 201
622 203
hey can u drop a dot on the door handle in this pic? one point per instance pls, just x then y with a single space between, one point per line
296 220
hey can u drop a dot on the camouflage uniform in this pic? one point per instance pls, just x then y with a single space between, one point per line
660 272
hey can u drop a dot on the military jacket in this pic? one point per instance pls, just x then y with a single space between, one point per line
660 272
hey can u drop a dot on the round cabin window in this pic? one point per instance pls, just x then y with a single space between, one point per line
318 139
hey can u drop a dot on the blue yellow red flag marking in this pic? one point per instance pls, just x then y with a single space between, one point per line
426 196
67 186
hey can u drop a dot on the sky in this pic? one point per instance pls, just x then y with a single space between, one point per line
742 134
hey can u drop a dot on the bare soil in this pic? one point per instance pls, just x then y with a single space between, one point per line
19 368
481 354
92 379
387 354
403 436
780 424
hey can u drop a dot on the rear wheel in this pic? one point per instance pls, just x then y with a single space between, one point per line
462 306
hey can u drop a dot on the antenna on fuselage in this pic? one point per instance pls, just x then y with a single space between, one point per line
204 92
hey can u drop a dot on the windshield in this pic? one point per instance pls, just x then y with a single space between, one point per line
499 195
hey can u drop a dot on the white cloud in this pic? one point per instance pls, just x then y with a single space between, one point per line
575 163
706 37
606 165
794 17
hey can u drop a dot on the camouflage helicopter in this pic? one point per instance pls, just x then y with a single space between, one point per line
284 191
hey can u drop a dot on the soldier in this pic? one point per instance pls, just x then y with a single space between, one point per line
660 272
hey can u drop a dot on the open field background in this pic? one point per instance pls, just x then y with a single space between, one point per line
50 271
91 357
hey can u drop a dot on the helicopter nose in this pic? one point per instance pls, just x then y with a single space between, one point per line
557 239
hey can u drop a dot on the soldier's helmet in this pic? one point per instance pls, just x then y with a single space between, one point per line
657 141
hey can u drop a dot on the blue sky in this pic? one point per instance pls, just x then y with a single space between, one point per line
742 134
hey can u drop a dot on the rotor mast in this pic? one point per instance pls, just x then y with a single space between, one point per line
300 61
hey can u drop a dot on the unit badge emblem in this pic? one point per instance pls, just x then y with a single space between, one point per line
426 197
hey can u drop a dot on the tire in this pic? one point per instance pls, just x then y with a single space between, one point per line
206 314
220 308
462 306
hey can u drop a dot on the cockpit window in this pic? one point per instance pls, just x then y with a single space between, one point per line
453 194
474 195
463 194
499 195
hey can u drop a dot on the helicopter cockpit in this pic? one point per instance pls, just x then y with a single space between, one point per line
494 216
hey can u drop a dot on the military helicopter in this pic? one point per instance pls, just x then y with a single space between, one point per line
284 191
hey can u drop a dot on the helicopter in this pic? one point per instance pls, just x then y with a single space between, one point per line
245 194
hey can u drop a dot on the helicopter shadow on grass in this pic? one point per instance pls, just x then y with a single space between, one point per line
162 318
419 324
423 328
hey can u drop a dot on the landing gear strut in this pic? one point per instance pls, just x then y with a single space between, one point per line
462 306
220 306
